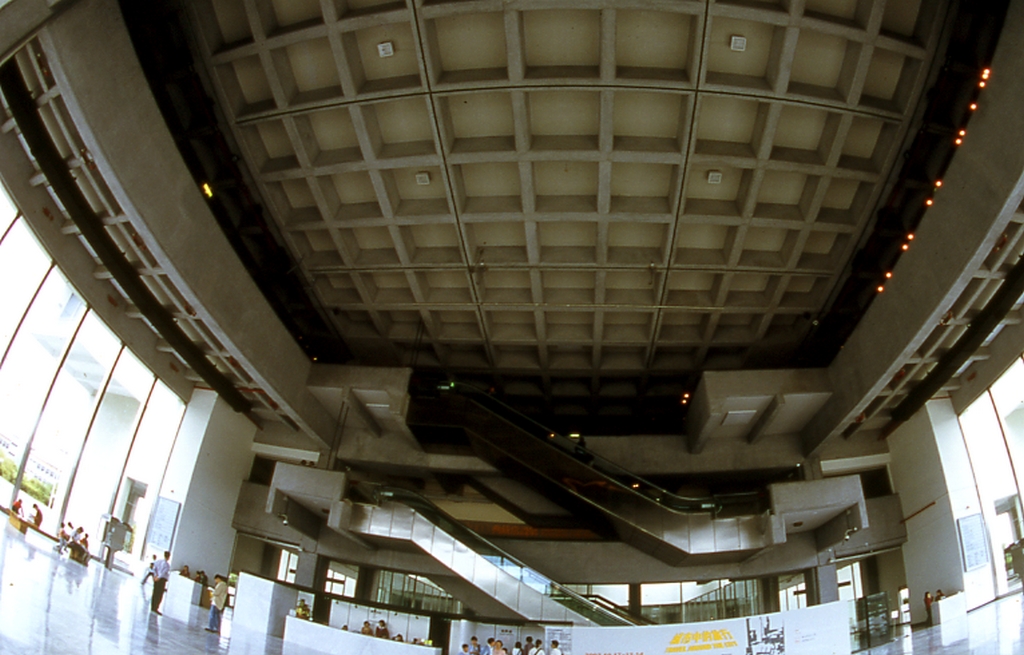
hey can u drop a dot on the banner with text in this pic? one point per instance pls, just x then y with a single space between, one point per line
818 630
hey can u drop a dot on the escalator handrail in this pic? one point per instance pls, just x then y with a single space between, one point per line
617 475
477 543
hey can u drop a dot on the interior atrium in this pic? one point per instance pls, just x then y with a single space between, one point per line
522 312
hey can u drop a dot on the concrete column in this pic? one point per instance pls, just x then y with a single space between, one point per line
635 600
768 589
869 578
366 583
305 570
321 601
822 584
211 457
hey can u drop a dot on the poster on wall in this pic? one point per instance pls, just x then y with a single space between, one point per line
819 630
563 635
162 524
973 543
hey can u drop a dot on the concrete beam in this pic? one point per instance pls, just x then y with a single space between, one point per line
981 190
758 428
19 20
101 82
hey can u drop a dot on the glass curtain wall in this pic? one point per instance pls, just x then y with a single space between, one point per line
86 429
993 428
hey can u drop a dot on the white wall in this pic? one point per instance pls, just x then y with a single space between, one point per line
211 458
929 465
261 605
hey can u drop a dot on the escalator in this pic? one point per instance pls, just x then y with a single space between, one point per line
397 513
668 526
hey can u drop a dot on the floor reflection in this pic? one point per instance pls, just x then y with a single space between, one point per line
52 605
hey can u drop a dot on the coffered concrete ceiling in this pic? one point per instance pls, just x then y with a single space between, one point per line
586 201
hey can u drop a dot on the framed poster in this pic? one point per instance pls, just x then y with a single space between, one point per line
163 523
973 541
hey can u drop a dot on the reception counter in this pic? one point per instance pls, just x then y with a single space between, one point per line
949 608
300 632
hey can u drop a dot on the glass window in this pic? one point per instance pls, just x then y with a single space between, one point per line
287 565
28 369
23 265
94 481
661 593
993 476
1008 397
57 442
145 467
341 580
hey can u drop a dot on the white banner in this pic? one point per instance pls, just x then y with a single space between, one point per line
818 630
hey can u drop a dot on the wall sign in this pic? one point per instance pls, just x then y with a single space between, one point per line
817 630
163 523
973 541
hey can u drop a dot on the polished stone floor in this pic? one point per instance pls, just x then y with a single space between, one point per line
50 605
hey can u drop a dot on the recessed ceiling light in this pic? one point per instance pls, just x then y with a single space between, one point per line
737 43
714 177
386 49
423 178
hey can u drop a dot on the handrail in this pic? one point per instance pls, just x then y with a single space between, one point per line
484 548
598 599
615 474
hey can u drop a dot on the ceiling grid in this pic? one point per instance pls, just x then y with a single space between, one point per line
529 180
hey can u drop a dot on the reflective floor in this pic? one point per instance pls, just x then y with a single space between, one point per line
51 605
995 629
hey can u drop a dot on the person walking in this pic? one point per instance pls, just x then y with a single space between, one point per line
217 602
161 573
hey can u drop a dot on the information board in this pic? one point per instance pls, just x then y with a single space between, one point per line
163 523
973 542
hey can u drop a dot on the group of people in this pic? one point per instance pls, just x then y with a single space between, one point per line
382 632
37 513
160 572
929 600
496 647
75 541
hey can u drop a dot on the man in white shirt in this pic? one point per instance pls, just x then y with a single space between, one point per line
554 648
161 573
